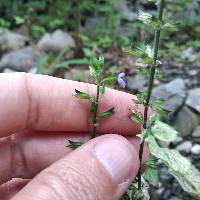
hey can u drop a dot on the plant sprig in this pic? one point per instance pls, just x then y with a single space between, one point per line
152 129
96 71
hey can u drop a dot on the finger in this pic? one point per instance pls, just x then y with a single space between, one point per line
101 169
24 152
9 189
47 103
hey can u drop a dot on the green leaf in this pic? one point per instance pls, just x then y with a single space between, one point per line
144 17
74 145
137 101
139 52
158 107
136 194
170 26
96 66
180 167
147 18
155 117
136 117
19 20
109 80
160 76
92 71
108 113
142 71
125 197
163 132
141 96
151 173
93 106
81 95
102 89
42 60
65 65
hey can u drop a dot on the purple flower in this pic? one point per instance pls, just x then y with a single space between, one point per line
120 80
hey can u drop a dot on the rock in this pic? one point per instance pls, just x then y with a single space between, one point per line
193 99
56 41
33 70
175 198
177 141
92 23
123 8
185 147
136 82
126 29
10 41
195 149
173 93
193 72
165 177
167 193
185 121
196 134
7 70
176 188
20 60
77 74
190 54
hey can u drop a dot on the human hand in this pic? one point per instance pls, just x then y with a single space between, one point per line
38 115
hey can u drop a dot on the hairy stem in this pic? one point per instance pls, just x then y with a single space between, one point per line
94 113
150 86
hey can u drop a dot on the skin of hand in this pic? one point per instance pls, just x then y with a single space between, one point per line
38 115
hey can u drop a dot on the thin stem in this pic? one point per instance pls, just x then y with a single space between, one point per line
150 86
94 114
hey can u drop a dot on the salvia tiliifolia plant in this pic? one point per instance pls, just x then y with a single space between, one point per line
101 82
152 129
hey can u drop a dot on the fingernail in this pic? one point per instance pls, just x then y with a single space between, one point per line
116 157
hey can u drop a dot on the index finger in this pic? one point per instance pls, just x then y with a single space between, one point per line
46 103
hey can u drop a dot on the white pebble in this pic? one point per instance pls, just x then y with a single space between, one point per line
196 149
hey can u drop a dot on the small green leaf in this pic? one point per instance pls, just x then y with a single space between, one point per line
92 71
108 113
140 53
158 107
163 132
102 89
141 96
170 26
109 80
136 194
81 95
142 71
136 117
125 197
137 101
96 66
147 18
140 194
92 106
74 145
151 173
19 20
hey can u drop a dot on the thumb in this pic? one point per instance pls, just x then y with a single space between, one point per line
101 169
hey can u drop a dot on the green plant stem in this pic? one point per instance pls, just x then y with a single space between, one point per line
150 86
94 114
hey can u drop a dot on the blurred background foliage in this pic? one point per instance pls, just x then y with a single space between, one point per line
72 15
101 24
